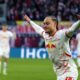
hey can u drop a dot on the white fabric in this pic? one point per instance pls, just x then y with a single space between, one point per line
78 48
37 28
71 73
58 49
73 28
4 43
78 44
4 53
57 53
4 39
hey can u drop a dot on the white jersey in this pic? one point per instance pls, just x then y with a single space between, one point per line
57 47
59 51
78 45
4 39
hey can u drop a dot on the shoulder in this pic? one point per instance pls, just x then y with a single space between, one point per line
9 33
61 31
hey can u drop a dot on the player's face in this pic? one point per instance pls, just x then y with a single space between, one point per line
49 25
4 28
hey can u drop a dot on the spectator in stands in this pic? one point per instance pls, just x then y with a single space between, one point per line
18 42
37 10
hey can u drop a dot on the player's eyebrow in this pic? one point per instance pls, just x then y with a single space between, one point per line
46 22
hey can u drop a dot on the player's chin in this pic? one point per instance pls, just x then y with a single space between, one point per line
47 31
46 28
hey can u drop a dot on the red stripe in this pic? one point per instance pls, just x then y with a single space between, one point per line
65 71
67 54
69 78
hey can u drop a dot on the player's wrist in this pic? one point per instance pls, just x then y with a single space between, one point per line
28 20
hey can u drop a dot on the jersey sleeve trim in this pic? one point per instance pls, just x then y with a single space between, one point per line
67 35
67 54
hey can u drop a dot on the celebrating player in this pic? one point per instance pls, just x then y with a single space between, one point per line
57 45
5 36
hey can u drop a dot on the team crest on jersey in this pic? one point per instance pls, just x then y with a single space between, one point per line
50 45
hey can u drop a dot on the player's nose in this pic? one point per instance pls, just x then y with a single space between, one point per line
44 25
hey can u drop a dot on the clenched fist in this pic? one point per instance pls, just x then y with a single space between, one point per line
27 18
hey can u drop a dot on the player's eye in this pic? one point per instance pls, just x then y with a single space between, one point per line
46 23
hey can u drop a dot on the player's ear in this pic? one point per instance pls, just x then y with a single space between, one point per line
56 25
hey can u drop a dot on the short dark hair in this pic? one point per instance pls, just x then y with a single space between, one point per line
56 20
4 25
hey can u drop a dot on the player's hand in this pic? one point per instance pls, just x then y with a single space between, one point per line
27 18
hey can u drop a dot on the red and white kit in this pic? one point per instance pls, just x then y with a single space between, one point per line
59 52
4 43
78 49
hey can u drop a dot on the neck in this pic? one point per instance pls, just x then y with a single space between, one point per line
4 30
52 33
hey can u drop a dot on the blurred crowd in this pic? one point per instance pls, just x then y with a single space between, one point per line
39 9
26 37
64 10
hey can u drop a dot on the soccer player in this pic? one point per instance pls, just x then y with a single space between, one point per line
5 36
57 46
78 49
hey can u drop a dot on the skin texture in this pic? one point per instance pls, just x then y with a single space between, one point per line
49 25
4 28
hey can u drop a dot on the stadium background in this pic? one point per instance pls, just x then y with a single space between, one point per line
28 57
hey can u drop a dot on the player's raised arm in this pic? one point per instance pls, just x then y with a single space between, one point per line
73 29
36 27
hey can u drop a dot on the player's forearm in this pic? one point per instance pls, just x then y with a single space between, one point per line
36 27
73 28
